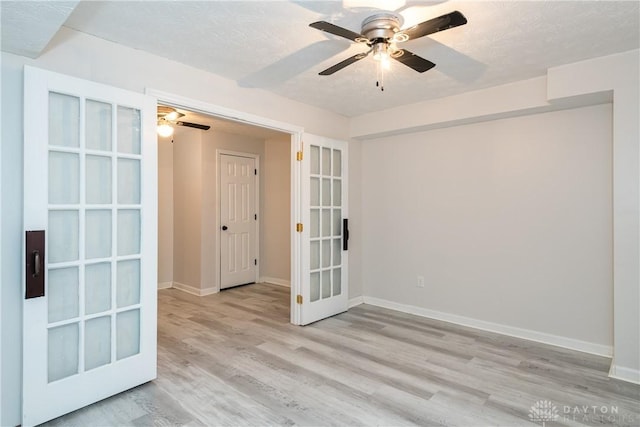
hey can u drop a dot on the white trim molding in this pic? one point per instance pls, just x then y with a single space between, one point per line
624 374
165 285
527 334
194 291
223 112
356 301
275 281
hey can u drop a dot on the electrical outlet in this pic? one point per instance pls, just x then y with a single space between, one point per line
420 282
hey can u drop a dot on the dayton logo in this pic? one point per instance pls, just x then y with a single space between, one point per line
543 411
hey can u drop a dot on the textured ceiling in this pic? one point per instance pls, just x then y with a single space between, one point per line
268 44
28 26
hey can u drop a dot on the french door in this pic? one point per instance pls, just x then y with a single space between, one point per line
324 244
90 165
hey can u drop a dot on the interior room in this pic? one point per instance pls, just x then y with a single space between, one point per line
436 206
189 203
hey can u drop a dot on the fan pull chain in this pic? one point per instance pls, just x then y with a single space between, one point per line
380 76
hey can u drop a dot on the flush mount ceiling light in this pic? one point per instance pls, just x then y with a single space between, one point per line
168 117
381 33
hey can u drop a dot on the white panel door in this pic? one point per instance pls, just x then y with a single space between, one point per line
238 219
324 208
90 165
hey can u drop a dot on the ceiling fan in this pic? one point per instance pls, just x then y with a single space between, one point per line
382 32
168 116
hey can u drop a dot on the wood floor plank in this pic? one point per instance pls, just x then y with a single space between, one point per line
233 359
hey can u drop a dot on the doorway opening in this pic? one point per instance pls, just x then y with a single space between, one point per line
201 208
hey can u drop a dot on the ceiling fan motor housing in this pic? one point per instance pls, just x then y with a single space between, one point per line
382 32
381 26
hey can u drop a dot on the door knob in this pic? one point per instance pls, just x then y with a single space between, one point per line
34 257
225 228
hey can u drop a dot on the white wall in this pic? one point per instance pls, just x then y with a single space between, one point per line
509 222
188 210
188 172
187 206
165 211
275 224
617 74
1 389
195 209
355 221
611 78
81 55
12 235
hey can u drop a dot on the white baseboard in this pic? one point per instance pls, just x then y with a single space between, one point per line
624 374
165 285
208 291
356 301
194 291
527 334
275 281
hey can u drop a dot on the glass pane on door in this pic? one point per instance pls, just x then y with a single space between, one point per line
63 294
63 235
128 130
326 190
97 287
98 126
63 342
64 184
97 233
128 287
94 235
98 184
97 342
64 120
128 334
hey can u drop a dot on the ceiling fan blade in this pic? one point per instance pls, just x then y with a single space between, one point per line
169 113
338 31
193 125
414 61
340 65
441 23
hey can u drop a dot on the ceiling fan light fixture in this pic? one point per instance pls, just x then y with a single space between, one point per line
380 51
385 62
383 31
400 37
382 56
174 115
164 129
168 113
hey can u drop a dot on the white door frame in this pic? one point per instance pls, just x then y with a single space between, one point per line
296 132
256 159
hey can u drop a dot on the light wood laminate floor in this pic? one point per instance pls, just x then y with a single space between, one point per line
233 359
